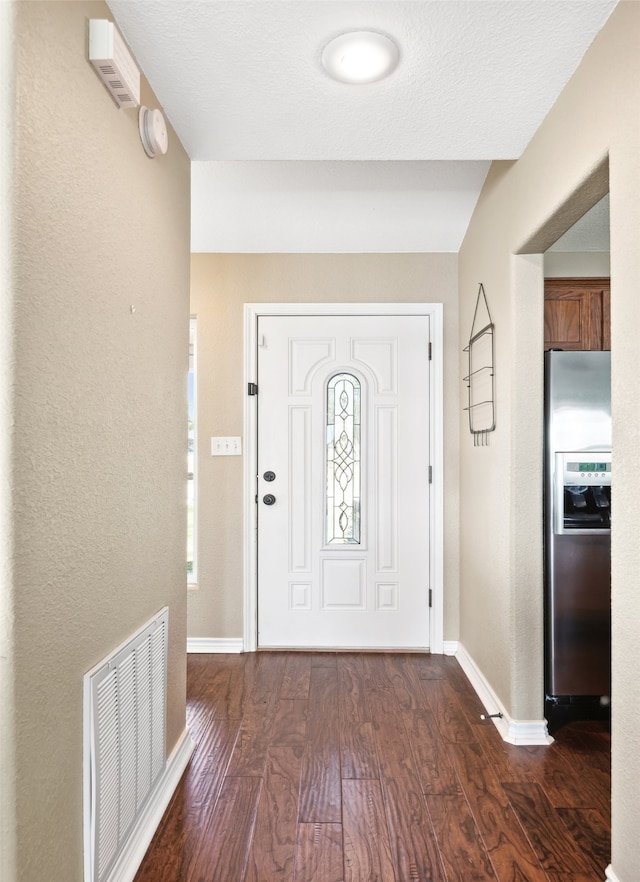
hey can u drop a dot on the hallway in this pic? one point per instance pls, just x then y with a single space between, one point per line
324 767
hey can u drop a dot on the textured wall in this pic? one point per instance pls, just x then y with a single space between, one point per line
221 284
99 409
524 207
7 691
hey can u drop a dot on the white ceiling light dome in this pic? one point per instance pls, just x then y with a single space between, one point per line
359 57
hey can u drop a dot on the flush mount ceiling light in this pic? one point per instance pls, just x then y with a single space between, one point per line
360 57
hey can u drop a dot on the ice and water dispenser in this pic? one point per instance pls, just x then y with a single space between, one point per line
583 492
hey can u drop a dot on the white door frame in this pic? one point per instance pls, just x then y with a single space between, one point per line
252 311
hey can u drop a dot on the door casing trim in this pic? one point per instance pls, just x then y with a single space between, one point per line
252 311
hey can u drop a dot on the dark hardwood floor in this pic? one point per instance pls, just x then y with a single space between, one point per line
362 767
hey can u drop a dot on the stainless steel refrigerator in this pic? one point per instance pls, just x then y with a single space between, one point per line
577 536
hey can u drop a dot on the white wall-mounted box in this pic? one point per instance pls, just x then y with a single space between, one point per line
113 62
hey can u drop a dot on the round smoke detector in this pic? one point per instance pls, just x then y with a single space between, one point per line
153 131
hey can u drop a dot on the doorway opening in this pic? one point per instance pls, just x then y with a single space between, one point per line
577 467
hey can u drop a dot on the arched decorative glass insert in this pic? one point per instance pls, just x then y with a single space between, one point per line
343 460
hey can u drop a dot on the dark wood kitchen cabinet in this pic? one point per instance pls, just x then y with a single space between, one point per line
577 314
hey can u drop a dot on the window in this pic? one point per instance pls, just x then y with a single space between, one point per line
343 460
191 458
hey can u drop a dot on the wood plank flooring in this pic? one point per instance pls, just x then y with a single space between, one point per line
363 767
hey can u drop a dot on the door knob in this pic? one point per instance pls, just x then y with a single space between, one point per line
269 499
269 476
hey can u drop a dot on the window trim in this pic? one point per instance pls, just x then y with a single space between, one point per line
192 416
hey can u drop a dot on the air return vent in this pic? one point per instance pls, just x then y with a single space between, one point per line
113 63
124 744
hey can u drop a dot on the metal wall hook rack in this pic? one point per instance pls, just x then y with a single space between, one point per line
480 379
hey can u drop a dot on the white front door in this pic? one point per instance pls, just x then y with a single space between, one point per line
343 481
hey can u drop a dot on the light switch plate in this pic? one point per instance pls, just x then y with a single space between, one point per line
226 446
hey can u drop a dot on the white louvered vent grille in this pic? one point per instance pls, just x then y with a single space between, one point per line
125 748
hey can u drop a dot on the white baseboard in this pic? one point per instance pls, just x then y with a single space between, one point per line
449 647
215 644
126 867
513 731
610 876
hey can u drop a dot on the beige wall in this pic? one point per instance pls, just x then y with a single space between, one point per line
7 714
577 264
221 284
96 405
523 208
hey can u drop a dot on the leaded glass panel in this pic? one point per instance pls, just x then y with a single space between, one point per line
343 460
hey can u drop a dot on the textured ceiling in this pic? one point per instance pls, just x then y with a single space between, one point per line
241 80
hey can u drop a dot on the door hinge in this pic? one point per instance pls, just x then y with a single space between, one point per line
252 389
431 474
430 352
430 598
